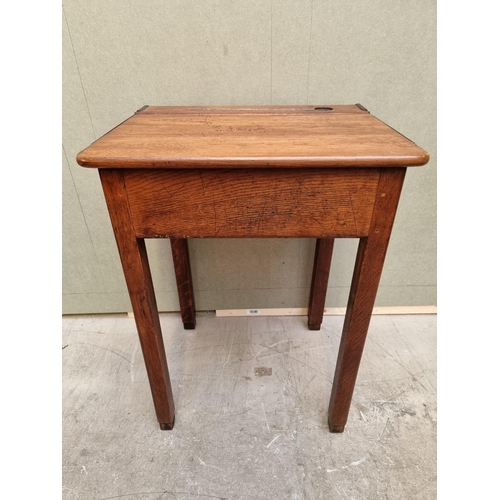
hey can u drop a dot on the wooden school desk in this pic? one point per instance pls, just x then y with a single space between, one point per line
319 172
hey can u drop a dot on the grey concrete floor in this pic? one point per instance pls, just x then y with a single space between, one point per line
251 399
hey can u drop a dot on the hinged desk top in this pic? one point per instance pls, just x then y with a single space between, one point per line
252 136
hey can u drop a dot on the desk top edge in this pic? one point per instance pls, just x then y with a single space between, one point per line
116 149
254 162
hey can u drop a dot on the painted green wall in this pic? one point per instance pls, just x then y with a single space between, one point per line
118 56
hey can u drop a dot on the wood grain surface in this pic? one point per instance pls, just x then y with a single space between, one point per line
184 280
140 287
163 174
366 276
242 137
319 282
251 203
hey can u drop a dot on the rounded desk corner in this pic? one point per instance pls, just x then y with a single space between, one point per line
423 159
83 160
426 158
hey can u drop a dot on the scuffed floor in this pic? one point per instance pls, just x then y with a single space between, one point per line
251 398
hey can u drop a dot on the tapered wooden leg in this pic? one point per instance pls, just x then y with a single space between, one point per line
182 266
140 286
366 277
319 284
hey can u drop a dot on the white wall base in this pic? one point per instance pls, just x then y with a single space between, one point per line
329 311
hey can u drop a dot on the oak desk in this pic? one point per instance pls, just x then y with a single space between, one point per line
320 172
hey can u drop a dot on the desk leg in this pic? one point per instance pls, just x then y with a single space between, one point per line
366 277
319 284
182 266
140 287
